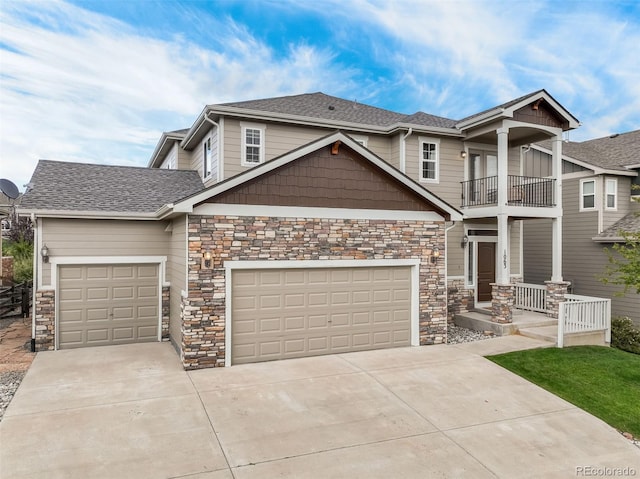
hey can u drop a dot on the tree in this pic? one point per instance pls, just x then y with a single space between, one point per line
624 263
21 228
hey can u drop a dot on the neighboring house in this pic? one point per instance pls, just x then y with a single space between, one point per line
597 183
295 226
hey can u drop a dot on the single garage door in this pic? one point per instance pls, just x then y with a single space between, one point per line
290 313
107 304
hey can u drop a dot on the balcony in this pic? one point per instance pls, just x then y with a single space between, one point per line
521 191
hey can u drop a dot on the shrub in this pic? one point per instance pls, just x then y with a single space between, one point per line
22 252
624 335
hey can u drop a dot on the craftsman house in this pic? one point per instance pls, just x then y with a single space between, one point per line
296 226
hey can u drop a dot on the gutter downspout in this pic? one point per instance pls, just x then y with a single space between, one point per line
403 152
217 125
35 282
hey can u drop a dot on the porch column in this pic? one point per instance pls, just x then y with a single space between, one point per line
556 232
502 291
503 165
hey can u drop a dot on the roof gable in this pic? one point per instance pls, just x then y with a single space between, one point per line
357 161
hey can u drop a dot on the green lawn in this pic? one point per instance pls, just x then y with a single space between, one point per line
603 381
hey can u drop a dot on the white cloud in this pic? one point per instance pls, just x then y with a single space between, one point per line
79 86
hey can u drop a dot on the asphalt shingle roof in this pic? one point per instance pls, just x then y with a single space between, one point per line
58 185
611 152
628 224
326 107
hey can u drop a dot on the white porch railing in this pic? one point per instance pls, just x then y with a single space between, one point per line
531 297
579 314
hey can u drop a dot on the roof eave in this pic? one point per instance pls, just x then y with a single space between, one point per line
597 170
161 149
44 213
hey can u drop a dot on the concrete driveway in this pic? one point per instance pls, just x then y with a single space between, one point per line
438 411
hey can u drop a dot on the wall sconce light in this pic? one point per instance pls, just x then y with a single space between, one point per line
45 254
465 241
207 259
463 154
435 255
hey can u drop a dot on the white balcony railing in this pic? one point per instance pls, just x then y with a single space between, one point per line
581 314
531 297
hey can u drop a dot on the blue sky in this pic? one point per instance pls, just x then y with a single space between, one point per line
98 81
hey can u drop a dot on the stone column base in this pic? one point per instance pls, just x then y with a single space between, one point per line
502 300
556 290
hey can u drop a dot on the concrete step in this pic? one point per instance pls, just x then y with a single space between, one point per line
544 333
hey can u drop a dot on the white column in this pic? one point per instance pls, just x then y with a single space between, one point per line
556 233
503 164
503 266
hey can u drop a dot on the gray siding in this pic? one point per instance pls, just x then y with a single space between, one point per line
451 168
177 274
76 237
196 161
584 261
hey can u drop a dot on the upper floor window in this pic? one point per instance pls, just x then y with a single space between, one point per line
429 159
612 194
587 194
252 144
206 160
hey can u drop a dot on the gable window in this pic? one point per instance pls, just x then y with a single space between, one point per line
252 144
206 160
612 190
429 159
587 194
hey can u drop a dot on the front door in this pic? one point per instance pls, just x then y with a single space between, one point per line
486 270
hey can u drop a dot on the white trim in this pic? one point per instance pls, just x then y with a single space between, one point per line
303 212
261 127
221 149
161 261
206 146
361 139
230 266
581 195
422 140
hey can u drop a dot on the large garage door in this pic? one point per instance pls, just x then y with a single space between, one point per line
291 313
107 304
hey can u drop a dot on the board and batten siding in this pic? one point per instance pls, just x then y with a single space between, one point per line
177 272
85 237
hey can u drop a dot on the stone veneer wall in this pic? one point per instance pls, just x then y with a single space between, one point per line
166 305
459 298
45 309
271 238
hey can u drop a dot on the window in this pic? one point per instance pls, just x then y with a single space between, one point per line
612 190
588 194
206 160
429 159
252 144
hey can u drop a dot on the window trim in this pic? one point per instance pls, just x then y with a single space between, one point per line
243 140
582 195
613 181
434 141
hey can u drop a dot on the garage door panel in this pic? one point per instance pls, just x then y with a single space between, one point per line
92 314
294 323
107 304
319 311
